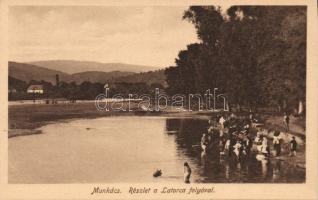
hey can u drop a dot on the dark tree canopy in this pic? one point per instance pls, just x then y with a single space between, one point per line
256 55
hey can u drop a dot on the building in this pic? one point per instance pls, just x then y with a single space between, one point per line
35 89
12 90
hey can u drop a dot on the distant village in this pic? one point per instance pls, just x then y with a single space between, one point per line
71 91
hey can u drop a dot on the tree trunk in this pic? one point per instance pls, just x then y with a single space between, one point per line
284 105
255 108
238 107
300 107
249 107
279 108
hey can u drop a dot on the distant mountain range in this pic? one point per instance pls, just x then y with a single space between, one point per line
72 66
27 72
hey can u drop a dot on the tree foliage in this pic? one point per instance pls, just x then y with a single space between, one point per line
255 55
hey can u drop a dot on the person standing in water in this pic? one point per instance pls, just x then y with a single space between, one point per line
204 142
186 172
293 147
265 147
276 143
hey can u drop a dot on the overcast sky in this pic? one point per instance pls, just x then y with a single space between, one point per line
135 35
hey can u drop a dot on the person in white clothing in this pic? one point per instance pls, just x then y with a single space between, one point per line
221 121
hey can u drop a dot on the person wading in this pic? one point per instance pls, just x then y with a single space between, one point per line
276 143
293 147
186 172
204 142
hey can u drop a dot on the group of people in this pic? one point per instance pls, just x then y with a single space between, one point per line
263 147
229 136
235 137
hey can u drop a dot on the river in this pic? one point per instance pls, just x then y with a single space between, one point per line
130 149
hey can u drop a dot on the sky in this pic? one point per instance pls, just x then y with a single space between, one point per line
135 35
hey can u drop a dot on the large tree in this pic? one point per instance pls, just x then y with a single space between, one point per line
255 55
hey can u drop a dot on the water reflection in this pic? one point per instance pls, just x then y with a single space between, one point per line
219 169
276 170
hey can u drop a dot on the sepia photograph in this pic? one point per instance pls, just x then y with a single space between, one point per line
62 58
188 95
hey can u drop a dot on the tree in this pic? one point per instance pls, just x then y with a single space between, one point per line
256 55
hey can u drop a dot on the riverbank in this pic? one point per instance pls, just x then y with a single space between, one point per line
25 119
296 125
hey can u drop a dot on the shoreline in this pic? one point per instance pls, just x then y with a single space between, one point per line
26 119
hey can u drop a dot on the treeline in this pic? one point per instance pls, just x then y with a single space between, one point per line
73 91
150 77
255 55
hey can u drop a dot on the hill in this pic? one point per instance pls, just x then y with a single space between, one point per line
27 72
18 85
72 66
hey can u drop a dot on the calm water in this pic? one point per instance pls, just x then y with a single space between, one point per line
130 149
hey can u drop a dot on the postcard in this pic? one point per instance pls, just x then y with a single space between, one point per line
158 99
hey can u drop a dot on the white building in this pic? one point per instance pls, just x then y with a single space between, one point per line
35 89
